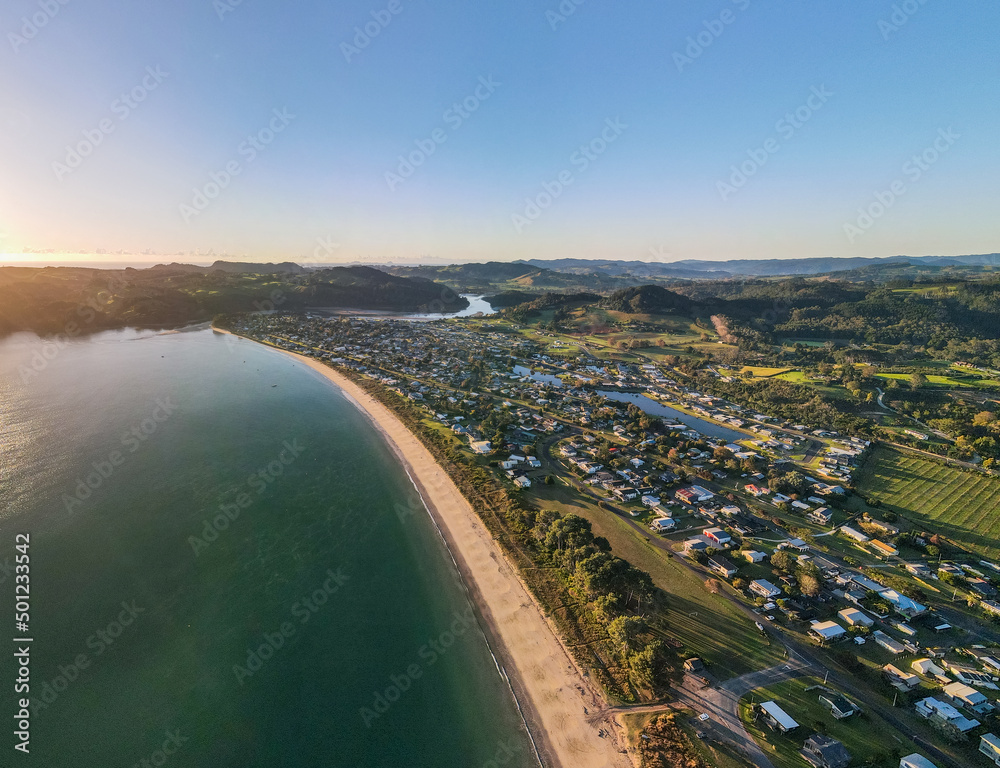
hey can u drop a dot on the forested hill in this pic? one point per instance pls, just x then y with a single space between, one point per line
77 300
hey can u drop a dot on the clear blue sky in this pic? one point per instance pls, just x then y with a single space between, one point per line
664 122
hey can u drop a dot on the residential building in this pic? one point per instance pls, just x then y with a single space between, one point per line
855 618
827 631
839 706
944 716
764 588
718 536
915 761
892 646
989 745
722 566
776 718
823 752
966 696
821 516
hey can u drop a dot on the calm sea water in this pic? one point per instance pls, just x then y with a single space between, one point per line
227 561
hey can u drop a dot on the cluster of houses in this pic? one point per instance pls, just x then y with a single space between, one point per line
429 363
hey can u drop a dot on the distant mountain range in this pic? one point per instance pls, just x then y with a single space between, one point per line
695 269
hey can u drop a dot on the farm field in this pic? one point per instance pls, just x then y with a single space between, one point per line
960 505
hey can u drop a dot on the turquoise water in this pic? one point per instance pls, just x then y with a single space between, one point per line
248 570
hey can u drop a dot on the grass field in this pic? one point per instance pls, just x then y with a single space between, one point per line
761 372
867 737
705 624
960 505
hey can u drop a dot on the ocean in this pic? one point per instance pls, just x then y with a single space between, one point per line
228 568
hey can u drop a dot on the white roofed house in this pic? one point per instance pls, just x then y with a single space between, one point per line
855 617
968 697
989 745
764 588
915 761
944 716
776 718
827 631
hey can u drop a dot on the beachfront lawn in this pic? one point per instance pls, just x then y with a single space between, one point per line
698 622
959 504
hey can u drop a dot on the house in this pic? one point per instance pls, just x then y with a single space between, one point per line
929 668
839 706
855 618
900 680
821 516
755 490
882 549
764 588
481 446
944 715
902 604
827 631
508 464
776 718
823 752
892 646
650 501
693 664
522 482
663 524
718 536
918 569
989 745
753 556
695 545
966 696
915 761
722 566
851 533
533 462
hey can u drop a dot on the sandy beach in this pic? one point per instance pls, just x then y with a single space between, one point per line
562 709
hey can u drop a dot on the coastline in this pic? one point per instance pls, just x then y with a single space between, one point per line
561 708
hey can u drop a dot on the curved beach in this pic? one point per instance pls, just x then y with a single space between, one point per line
561 707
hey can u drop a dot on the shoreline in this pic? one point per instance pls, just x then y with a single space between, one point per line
561 709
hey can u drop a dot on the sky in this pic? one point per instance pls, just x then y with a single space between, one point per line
411 131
